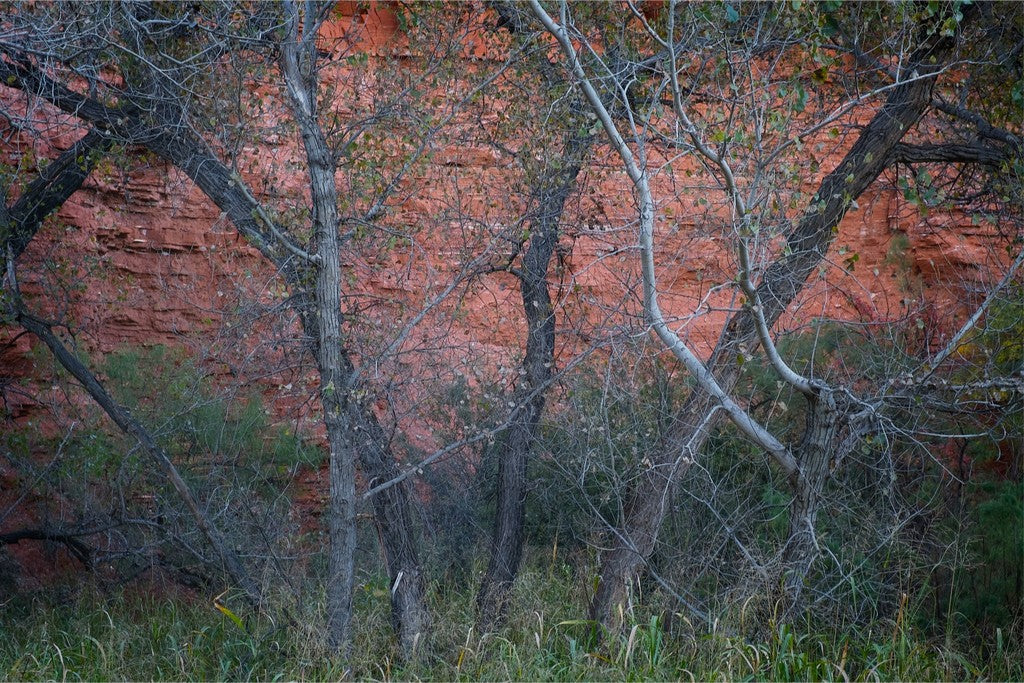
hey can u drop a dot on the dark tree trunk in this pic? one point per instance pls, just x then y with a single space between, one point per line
69 539
634 540
814 454
56 183
392 515
19 225
647 503
519 444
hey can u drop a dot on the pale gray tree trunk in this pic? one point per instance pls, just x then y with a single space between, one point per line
298 66
815 455
634 539
352 429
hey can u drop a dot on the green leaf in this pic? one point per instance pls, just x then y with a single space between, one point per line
851 261
801 98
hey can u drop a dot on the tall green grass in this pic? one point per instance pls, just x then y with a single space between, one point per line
157 635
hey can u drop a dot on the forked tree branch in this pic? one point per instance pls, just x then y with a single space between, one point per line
741 418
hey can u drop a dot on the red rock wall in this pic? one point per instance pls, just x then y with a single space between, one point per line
151 260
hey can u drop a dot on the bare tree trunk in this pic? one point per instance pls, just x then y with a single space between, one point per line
298 66
352 429
396 529
341 509
392 514
334 396
633 541
815 455
56 183
537 369
514 455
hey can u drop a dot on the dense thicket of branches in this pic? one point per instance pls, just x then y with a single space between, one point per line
730 442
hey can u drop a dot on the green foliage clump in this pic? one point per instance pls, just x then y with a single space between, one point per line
992 596
167 390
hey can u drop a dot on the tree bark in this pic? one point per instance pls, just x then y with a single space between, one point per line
163 134
298 66
978 153
537 369
815 456
633 541
392 515
352 429
48 192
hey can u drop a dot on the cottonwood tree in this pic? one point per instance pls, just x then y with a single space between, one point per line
715 78
552 156
153 77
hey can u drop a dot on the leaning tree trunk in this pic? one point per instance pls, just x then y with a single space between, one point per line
56 183
537 369
633 542
19 224
648 500
129 425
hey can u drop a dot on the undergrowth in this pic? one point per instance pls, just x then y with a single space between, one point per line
157 635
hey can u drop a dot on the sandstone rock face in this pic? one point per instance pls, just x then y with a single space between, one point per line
141 257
